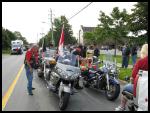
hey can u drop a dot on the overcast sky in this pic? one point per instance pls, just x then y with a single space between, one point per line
27 17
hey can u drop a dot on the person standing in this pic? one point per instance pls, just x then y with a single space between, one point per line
29 64
123 56
96 51
84 51
127 56
75 54
133 54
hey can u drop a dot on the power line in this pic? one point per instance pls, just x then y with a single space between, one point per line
80 11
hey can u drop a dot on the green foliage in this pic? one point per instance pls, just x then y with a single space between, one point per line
138 21
68 33
8 36
20 37
125 72
114 29
88 37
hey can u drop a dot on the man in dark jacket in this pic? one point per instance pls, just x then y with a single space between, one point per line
96 51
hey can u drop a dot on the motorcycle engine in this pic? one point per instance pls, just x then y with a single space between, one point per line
54 78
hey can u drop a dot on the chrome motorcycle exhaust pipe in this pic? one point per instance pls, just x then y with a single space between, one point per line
107 77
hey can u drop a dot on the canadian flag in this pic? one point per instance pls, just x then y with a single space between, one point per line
61 42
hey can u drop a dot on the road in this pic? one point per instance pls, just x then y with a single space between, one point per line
43 99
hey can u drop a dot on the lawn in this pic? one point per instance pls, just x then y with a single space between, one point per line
124 72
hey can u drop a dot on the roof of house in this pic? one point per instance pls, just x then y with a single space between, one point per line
87 29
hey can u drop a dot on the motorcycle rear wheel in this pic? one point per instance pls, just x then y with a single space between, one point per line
64 99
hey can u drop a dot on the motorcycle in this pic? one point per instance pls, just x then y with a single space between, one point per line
61 77
103 79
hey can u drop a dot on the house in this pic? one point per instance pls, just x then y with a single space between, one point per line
83 30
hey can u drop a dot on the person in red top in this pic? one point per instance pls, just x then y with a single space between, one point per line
141 64
29 60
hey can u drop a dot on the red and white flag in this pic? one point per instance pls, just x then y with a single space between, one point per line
61 42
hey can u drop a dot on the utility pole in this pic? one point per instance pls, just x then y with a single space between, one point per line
79 36
52 27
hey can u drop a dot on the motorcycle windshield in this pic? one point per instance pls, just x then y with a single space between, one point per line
108 58
66 64
68 59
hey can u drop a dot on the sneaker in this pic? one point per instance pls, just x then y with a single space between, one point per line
119 108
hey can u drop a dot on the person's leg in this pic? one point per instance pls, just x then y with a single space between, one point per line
129 88
122 61
30 82
29 78
127 61
27 75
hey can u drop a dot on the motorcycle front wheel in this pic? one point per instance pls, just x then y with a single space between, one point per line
113 92
64 99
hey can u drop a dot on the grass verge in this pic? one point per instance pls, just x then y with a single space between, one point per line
6 51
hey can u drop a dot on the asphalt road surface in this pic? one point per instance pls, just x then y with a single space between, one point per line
43 99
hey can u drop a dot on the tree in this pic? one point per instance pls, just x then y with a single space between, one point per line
58 23
88 37
8 36
68 33
138 22
20 37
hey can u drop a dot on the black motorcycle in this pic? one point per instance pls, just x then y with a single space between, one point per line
103 79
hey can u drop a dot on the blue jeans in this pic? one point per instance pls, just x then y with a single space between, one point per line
29 78
134 59
129 88
125 61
